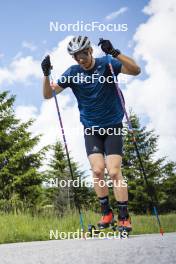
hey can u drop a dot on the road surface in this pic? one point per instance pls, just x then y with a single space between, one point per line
143 249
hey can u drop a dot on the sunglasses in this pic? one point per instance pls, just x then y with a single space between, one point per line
81 55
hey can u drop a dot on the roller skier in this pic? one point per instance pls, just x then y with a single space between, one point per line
100 110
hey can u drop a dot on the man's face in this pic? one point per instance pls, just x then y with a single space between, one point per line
84 58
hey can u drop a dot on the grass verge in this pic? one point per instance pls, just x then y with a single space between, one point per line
23 227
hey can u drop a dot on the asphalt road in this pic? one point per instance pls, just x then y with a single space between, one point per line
143 249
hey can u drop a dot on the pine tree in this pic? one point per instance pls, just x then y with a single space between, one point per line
20 180
56 174
156 169
168 188
63 197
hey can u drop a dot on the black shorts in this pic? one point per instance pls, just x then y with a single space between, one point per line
106 141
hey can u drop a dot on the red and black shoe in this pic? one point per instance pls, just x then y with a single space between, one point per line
124 224
106 220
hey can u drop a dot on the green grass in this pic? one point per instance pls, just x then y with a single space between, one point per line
20 228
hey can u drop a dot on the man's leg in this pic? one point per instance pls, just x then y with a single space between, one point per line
113 164
97 163
95 152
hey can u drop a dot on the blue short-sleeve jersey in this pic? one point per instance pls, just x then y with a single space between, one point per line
97 98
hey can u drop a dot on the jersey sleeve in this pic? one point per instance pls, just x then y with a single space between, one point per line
65 80
117 65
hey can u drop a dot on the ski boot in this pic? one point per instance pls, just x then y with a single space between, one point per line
124 226
107 221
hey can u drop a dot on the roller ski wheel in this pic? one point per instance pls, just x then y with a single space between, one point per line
124 234
93 230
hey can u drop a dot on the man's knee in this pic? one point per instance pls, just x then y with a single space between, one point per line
98 171
115 173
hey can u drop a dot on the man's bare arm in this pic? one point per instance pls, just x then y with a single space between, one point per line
129 66
47 89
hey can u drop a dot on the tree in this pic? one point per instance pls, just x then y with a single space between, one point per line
20 180
159 172
168 188
56 174
62 191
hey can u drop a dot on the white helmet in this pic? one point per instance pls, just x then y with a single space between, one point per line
77 44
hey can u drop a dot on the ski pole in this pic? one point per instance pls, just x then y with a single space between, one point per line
67 153
119 93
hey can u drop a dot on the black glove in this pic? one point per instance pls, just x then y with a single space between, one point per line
46 66
107 47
